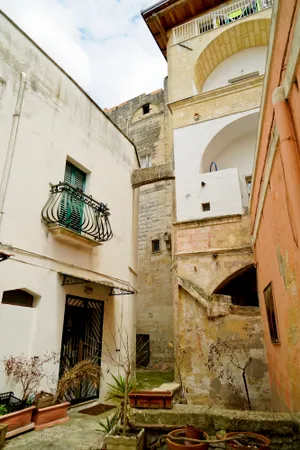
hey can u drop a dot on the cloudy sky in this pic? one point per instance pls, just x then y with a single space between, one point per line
103 44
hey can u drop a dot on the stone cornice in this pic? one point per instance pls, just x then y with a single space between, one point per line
216 93
142 177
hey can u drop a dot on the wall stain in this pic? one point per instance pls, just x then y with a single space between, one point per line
287 273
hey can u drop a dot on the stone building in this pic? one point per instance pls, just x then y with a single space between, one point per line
275 207
145 120
216 53
68 217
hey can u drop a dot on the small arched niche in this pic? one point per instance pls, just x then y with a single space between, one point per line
236 38
241 286
20 297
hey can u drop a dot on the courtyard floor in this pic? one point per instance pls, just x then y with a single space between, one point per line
80 433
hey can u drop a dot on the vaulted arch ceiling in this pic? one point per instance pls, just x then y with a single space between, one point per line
246 34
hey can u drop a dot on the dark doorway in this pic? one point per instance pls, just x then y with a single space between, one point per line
142 350
242 287
82 339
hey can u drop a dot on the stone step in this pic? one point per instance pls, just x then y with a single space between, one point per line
170 387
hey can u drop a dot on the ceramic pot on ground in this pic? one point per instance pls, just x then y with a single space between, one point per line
264 443
50 416
18 422
182 444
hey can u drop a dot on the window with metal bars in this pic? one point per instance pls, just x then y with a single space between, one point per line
71 207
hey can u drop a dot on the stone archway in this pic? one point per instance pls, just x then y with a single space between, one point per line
247 34
241 286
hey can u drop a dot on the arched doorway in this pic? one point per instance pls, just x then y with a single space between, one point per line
241 286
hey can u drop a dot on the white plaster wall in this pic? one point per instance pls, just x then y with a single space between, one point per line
206 138
239 154
32 331
241 63
58 121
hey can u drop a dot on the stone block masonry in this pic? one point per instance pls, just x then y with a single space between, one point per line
145 120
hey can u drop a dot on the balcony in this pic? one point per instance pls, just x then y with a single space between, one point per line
74 217
219 17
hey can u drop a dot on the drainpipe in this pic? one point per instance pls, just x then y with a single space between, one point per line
11 144
289 158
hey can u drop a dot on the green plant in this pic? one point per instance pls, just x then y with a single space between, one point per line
116 392
109 424
3 410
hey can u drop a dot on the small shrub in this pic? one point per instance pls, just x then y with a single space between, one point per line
3 410
72 378
109 424
29 371
116 392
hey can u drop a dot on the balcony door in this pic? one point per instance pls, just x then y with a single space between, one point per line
71 207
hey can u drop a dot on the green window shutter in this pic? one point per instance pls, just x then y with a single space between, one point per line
74 176
71 208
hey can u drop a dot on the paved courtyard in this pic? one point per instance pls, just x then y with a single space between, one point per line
80 433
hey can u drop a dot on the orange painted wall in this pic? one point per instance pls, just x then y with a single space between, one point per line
276 254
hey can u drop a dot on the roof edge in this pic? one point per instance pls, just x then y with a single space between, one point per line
2 13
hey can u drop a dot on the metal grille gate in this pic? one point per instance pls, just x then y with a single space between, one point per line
82 339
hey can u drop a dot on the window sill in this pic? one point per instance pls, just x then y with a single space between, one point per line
67 236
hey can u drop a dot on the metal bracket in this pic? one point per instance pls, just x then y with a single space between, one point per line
68 279
120 291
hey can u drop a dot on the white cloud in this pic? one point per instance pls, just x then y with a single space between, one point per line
103 44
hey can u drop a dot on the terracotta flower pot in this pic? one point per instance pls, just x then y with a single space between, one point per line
182 433
18 421
150 399
194 433
264 442
50 416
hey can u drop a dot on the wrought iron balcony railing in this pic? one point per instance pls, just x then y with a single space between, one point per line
69 207
222 16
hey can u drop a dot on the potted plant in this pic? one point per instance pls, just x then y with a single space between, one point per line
47 415
123 435
27 372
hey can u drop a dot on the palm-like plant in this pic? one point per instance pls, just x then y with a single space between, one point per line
109 424
116 392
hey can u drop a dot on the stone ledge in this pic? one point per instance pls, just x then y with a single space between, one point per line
141 177
282 428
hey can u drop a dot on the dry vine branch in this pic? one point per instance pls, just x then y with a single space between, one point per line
239 355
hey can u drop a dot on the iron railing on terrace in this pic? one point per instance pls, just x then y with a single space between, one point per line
219 17
69 207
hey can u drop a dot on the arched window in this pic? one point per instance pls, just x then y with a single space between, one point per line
18 297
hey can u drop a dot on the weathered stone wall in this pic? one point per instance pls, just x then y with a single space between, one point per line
282 429
206 253
151 134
